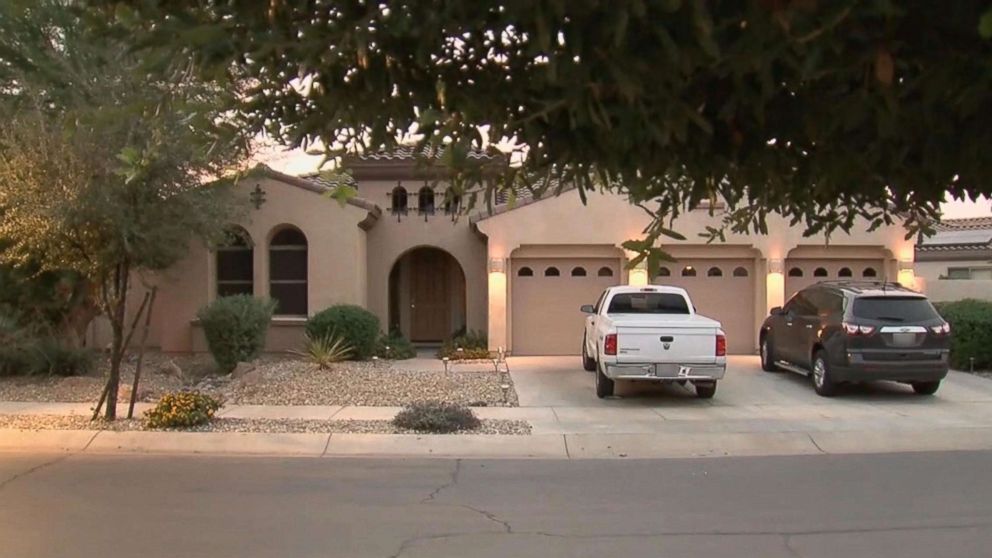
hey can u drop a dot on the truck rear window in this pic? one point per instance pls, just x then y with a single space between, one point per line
894 309
648 303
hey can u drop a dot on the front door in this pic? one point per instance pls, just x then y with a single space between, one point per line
430 297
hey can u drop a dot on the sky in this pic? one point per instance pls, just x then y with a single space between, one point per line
296 162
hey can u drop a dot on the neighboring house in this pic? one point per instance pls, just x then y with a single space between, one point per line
956 262
518 272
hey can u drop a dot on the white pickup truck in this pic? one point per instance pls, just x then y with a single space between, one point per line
652 333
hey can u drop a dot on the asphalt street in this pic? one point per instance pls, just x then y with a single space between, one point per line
910 504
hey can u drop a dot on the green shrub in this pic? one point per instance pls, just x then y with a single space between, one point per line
182 409
324 351
395 347
51 356
472 341
436 417
469 354
15 360
357 326
235 328
971 332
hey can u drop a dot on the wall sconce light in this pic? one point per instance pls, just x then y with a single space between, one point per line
497 265
775 265
906 265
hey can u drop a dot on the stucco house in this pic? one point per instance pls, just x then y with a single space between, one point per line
518 272
956 261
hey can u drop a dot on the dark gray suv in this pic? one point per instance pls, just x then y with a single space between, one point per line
858 331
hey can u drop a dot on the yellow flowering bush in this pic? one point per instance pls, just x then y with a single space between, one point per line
182 409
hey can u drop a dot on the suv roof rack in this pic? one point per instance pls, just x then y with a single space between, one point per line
859 284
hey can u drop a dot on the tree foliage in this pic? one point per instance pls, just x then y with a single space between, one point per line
104 153
822 111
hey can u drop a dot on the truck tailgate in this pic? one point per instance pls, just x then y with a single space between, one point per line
681 343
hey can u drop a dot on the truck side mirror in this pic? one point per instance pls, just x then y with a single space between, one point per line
777 311
588 309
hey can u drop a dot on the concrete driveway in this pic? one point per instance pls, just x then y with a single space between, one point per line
747 400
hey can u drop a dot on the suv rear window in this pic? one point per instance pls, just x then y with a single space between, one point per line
648 303
894 309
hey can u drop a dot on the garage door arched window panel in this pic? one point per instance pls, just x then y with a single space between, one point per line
605 272
552 272
236 264
714 272
869 272
688 271
845 272
664 272
795 272
820 272
740 271
525 272
578 271
288 271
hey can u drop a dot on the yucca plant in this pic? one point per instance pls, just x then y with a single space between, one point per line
325 350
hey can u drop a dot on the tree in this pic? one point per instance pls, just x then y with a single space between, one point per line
104 155
821 111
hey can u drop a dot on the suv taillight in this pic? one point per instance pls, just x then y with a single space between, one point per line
942 329
721 345
610 344
855 329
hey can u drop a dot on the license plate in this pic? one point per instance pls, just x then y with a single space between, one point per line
672 371
904 339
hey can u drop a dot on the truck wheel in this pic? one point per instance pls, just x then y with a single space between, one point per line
706 391
589 364
768 355
926 388
822 382
604 385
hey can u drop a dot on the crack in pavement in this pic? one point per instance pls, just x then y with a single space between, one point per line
35 469
490 516
452 482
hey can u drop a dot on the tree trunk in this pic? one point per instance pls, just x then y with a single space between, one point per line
117 316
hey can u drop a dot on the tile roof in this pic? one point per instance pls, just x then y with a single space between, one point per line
974 233
968 223
328 182
408 153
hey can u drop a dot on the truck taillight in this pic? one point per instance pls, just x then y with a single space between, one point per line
610 344
721 345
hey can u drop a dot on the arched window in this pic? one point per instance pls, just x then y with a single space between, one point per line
740 272
869 272
688 271
579 272
552 272
425 201
399 200
845 272
605 272
288 272
795 272
714 272
820 272
236 264
664 272
525 272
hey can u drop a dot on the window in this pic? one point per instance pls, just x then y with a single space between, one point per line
820 272
869 272
688 271
425 201
714 272
802 306
288 272
235 264
740 272
579 272
894 309
664 272
845 272
525 272
452 203
605 272
648 303
398 200
979 273
795 272
552 272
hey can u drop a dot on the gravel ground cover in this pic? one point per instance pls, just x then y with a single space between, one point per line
78 422
277 380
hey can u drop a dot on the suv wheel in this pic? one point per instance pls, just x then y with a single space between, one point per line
604 385
767 355
589 364
822 382
926 388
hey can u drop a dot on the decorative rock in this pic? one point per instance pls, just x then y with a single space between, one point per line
124 394
170 368
80 382
242 369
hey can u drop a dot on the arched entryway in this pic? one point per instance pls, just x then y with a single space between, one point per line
427 295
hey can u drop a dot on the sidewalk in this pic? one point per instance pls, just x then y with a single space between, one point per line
558 432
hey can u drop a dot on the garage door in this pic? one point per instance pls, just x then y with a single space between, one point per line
722 289
803 272
547 294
